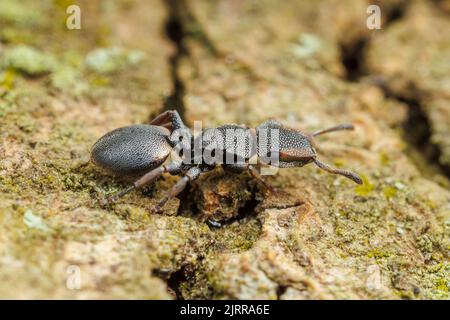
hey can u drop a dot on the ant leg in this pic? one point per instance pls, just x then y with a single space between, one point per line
348 174
146 179
169 119
255 174
192 174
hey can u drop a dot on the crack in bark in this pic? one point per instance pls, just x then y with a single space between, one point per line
173 280
352 56
417 126
417 131
281 289
180 25
176 32
353 53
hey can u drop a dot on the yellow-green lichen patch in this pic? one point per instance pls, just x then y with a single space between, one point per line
384 158
378 254
389 192
366 188
69 79
442 285
425 243
28 60
6 81
21 14
238 236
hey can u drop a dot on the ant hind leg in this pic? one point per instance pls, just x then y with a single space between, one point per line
145 180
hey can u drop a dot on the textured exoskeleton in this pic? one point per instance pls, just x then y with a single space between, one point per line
145 151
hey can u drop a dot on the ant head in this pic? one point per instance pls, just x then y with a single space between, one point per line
286 146
293 148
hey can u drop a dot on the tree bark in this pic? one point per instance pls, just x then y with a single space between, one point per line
308 64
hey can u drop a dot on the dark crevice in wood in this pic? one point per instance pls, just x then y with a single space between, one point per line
173 280
417 131
181 25
281 289
352 57
176 32
417 127
353 53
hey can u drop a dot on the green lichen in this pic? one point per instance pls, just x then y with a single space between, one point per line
339 162
6 81
28 60
366 188
425 243
442 285
389 192
384 158
68 79
110 60
19 13
308 45
15 36
378 254
238 236
35 222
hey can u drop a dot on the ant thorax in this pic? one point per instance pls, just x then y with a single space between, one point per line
226 145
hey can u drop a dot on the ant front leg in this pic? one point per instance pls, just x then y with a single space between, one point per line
145 180
192 174
171 120
255 174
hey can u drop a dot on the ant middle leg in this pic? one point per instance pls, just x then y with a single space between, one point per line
192 174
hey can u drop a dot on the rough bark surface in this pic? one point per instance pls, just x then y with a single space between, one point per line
309 64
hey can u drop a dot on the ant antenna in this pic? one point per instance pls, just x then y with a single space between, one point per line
348 174
335 128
